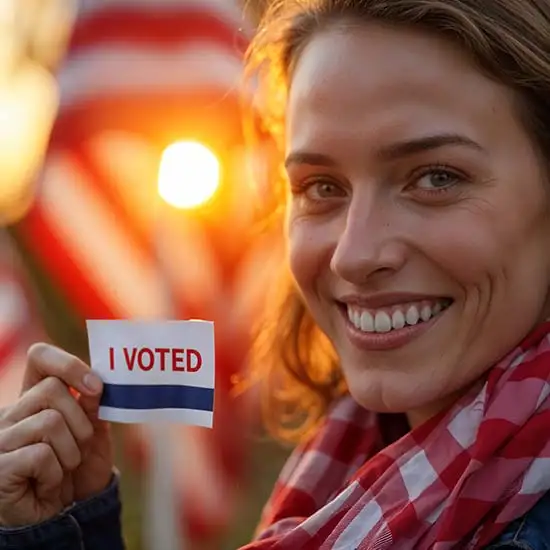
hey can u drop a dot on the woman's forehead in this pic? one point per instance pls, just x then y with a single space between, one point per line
374 80
377 52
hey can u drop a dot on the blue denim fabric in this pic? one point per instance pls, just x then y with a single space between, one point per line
94 524
531 532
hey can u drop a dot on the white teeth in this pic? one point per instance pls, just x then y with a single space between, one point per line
412 317
426 313
398 319
382 322
367 322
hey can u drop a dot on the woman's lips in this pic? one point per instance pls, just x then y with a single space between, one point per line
392 339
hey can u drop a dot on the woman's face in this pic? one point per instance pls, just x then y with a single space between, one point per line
418 223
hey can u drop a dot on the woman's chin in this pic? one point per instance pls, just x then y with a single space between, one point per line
392 389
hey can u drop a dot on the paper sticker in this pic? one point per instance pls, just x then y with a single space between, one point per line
154 370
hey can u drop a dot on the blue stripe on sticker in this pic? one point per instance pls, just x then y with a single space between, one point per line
133 396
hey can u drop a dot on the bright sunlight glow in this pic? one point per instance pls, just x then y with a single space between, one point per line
189 174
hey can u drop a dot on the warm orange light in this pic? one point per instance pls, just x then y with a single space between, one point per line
28 103
189 174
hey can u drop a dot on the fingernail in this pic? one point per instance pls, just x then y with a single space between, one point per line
93 382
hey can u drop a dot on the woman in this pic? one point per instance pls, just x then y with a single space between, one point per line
416 136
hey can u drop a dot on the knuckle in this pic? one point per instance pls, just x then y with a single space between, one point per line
43 452
52 420
53 387
52 358
72 365
36 351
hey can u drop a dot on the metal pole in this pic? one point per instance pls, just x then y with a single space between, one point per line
162 529
161 525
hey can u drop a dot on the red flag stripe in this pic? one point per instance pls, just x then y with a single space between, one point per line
170 115
227 10
155 28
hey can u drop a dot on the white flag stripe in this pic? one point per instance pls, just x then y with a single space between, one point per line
13 306
11 376
130 165
130 69
204 476
96 240
189 263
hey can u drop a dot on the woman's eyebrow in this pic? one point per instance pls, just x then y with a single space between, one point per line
313 159
392 151
426 143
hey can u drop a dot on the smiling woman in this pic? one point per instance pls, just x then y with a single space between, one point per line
410 353
418 199
415 139
418 214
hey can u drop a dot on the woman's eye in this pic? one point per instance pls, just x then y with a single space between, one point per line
437 180
317 195
324 190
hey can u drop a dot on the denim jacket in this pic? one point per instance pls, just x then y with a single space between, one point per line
95 525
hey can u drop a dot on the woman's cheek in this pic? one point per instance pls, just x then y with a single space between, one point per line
307 252
465 250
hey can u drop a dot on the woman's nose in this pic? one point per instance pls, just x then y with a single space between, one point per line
369 245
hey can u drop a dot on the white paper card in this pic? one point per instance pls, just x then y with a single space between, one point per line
154 370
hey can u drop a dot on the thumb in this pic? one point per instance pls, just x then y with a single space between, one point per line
90 401
90 406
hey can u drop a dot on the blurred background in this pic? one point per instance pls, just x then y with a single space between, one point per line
127 191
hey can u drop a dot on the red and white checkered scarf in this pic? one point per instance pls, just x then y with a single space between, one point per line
459 479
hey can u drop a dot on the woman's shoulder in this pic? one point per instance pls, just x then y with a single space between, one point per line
530 532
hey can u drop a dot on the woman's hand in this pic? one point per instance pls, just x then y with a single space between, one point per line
53 449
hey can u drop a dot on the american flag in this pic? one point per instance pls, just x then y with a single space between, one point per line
19 326
138 75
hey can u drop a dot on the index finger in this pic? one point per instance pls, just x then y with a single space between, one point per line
44 360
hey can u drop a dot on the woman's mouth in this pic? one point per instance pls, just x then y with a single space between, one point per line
397 317
384 328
